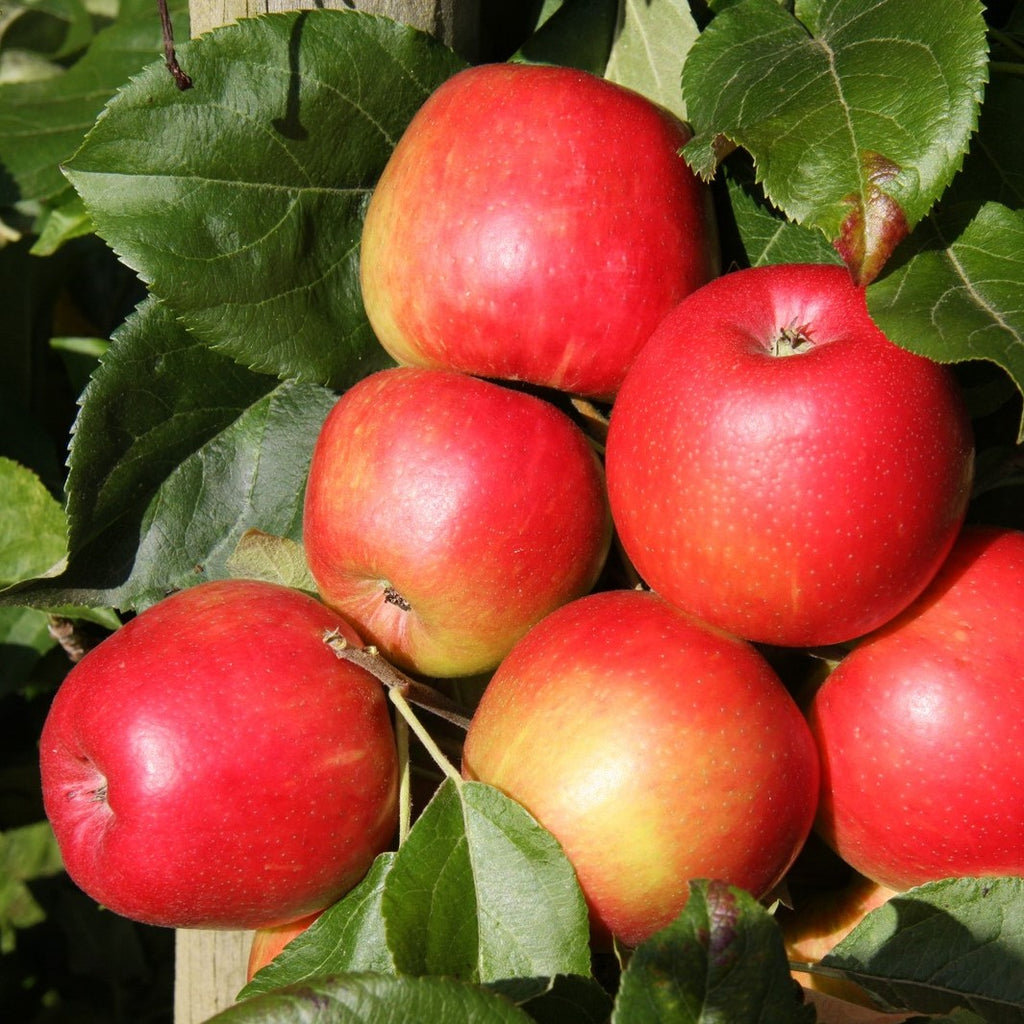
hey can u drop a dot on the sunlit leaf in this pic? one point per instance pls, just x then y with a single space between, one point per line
244 208
857 114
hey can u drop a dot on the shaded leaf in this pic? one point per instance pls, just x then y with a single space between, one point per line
954 944
54 28
24 639
25 853
759 234
68 104
177 452
577 35
347 937
375 999
480 891
244 209
650 49
958 293
570 999
857 115
722 959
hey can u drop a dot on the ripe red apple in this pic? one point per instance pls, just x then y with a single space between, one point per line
655 748
213 764
778 467
921 728
268 942
534 223
445 515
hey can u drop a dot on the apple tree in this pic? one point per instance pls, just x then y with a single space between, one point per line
181 308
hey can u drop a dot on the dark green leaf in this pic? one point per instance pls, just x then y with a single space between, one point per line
177 452
346 937
578 35
957 292
375 999
650 49
994 168
244 209
480 891
857 115
68 104
957 943
722 959
570 1000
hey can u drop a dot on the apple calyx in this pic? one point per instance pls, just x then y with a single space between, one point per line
792 340
392 596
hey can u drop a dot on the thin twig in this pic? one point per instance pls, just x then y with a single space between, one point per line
415 692
181 79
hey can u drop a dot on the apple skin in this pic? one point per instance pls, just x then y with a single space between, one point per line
213 764
921 728
534 223
445 515
656 749
797 500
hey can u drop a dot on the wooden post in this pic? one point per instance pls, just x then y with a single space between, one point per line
210 965
456 22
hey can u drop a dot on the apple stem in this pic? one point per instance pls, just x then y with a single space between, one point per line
405 779
409 716
420 694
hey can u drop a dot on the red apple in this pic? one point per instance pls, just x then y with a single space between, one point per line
534 223
921 728
655 748
213 764
445 515
778 467
268 942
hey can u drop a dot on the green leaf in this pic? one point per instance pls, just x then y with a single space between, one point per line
957 943
650 49
345 938
858 114
375 999
570 999
722 959
480 891
177 452
67 105
25 853
244 209
577 35
958 294
33 529
994 168
24 639
63 219
54 28
756 233
262 556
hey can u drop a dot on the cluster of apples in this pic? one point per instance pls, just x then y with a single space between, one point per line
777 474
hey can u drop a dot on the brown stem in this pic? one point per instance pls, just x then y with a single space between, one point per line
181 79
420 694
